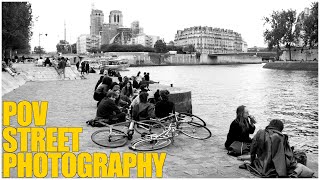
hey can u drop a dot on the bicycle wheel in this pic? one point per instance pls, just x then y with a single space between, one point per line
143 144
194 130
149 127
106 139
187 117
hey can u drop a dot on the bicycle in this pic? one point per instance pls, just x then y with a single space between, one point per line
113 137
177 125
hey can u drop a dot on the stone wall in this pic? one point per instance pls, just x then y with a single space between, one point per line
181 98
30 72
229 59
299 66
297 55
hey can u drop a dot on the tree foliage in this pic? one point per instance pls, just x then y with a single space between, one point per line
160 47
179 49
189 49
309 26
281 30
63 47
39 50
16 25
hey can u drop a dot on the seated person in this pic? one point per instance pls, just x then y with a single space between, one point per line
271 155
47 61
164 107
121 100
102 89
143 110
109 111
241 127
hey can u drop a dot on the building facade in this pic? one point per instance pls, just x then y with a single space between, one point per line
145 40
115 17
108 32
210 40
122 37
85 42
96 21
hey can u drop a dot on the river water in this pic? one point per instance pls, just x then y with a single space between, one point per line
217 91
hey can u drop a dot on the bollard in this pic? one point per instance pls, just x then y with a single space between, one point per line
171 85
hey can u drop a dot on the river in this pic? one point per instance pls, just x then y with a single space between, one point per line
217 91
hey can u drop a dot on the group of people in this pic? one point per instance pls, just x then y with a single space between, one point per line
85 67
269 150
118 100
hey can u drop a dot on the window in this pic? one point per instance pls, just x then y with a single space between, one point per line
114 18
118 18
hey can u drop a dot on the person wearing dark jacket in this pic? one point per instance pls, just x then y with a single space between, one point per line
108 109
135 83
241 127
164 107
271 155
143 110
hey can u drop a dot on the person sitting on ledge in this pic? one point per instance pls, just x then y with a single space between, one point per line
164 107
271 155
143 110
109 111
240 128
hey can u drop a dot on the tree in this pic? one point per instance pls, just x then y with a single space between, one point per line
74 48
160 47
310 27
16 25
189 49
281 32
39 50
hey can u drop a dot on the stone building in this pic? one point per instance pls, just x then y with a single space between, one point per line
122 37
145 40
210 40
85 42
136 29
115 17
96 21
109 30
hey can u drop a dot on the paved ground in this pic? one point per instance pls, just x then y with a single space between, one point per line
71 105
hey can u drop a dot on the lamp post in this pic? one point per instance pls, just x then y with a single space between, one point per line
39 44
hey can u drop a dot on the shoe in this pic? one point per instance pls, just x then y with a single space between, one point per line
243 166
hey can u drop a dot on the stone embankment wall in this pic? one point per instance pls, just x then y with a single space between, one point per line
149 59
180 97
297 55
30 72
230 59
301 66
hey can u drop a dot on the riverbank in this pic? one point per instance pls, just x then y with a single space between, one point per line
71 105
298 66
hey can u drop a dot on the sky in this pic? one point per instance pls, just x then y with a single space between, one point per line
160 18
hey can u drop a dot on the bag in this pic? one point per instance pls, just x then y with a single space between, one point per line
302 171
238 148
300 156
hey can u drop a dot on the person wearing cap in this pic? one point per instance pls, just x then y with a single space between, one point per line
164 107
143 110
109 111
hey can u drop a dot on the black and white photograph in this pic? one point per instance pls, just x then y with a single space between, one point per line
160 89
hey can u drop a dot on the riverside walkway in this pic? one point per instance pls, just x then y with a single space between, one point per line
71 104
